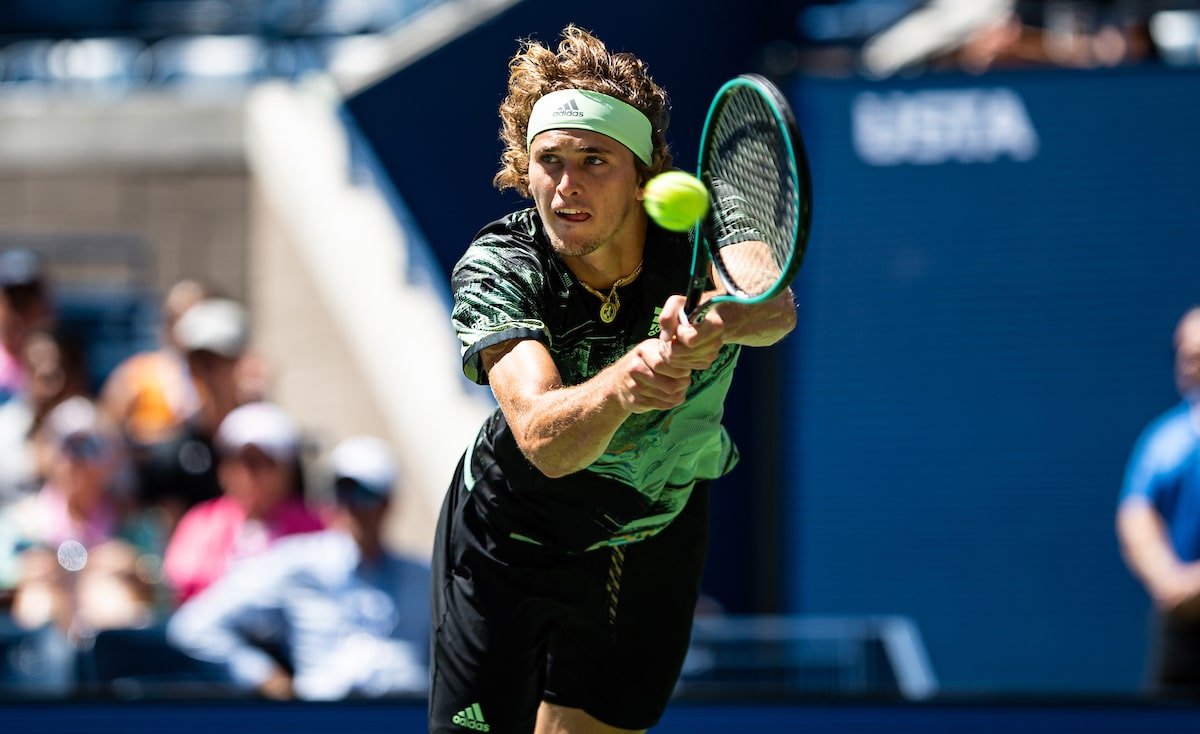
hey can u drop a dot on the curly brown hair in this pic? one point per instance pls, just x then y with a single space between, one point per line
581 62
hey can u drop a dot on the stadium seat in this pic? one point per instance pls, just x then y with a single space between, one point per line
135 663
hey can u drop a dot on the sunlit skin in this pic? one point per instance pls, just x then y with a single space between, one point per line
586 189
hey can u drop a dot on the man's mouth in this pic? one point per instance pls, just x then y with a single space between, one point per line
572 215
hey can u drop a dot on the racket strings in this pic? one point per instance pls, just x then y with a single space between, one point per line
755 202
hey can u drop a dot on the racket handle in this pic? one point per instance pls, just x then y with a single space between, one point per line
695 291
697 314
694 313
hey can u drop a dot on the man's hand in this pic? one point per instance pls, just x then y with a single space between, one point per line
278 686
690 346
649 381
1178 594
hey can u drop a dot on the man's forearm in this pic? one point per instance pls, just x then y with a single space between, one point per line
567 429
1146 548
759 325
564 429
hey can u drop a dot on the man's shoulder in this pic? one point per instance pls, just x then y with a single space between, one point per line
512 244
519 229
1179 419
1171 437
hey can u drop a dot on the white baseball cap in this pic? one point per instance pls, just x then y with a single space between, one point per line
78 427
264 426
216 325
366 460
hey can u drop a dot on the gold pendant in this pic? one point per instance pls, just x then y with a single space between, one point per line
608 312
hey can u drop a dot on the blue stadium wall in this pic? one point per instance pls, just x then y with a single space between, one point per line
996 266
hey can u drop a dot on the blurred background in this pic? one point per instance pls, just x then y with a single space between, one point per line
1004 239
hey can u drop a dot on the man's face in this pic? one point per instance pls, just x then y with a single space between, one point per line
1187 355
585 187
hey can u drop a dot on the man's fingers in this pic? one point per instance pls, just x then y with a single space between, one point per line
655 355
655 392
671 317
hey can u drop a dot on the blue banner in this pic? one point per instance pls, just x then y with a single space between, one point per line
996 268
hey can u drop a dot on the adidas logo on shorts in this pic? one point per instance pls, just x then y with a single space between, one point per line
472 718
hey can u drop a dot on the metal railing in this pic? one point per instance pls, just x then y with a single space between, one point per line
786 655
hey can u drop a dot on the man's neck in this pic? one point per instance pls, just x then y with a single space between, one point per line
613 261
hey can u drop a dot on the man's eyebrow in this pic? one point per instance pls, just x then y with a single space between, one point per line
580 149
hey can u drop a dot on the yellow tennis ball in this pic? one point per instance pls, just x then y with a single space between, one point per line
676 200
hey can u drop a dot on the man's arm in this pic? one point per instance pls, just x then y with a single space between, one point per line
696 345
564 429
1146 546
753 266
207 626
759 325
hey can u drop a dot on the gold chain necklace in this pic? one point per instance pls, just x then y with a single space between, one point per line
610 303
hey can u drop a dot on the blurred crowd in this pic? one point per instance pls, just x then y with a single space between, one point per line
177 514
908 37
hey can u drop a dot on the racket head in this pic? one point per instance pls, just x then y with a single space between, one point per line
752 159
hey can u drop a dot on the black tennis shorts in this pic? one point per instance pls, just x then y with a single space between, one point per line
516 623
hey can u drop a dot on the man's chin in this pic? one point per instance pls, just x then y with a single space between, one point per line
572 246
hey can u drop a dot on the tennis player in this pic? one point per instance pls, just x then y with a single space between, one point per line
572 540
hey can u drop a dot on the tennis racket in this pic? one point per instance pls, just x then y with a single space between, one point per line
753 162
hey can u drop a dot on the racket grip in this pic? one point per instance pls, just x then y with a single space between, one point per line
697 313
695 291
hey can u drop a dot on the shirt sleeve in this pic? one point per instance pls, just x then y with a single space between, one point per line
1139 475
1153 462
497 298
208 627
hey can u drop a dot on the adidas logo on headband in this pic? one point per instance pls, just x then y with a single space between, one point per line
570 109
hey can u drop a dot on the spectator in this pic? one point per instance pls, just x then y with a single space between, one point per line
56 371
24 308
151 394
1158 521
71 552
258 450
177 473
353 615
